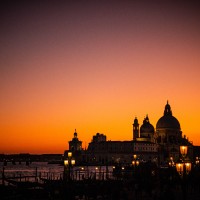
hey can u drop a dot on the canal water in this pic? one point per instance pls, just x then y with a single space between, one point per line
52 171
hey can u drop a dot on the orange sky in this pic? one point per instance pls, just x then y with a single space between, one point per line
95 66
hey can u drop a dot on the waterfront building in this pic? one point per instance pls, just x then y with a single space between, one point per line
169 136
75 146
146 133
149 144
111 152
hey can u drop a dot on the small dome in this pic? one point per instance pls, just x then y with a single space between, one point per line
167 120
146 129
135 121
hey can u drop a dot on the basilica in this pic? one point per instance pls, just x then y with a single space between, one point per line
149 143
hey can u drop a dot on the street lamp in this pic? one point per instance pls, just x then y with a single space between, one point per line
135 161
183 168
171 168
183 150
171 162
197 161
180 168
68 164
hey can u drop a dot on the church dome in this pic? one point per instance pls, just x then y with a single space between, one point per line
167 120
146 129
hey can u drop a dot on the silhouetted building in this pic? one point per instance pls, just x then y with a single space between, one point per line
169 136
146 133
75 144
149 144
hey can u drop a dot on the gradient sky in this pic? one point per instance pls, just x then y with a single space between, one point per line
94 66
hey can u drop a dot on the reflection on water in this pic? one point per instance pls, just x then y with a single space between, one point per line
43 169
22 169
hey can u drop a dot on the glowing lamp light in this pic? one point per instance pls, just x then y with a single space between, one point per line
197 161
179 168
134 156
133 162
73 162
188 167
171 162
183 150
69 154
66 162
137 162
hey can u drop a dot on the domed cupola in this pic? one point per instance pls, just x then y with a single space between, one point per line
167 121
147 129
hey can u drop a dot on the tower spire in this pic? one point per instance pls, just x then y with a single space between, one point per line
167 109
135 129
75 134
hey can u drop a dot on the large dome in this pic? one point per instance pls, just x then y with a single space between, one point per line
168 121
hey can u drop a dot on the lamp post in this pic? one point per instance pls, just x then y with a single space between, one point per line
68 164
197 161
171 168
183 167
171 162
135 163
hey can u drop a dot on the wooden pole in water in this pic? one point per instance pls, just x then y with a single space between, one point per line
3 177
36 174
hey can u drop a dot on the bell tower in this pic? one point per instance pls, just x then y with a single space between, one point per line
135 129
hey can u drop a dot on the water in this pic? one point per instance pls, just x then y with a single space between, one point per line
51 171
40 169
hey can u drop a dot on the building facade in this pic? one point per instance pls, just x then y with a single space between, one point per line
149 144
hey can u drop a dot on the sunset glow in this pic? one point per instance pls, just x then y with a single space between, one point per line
93 67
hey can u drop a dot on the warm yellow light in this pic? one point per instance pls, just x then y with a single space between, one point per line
69 154
171 162
188 167
66 162
96 168
134 156
133 162
137 162
183 150
179 168
122 168
73 162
